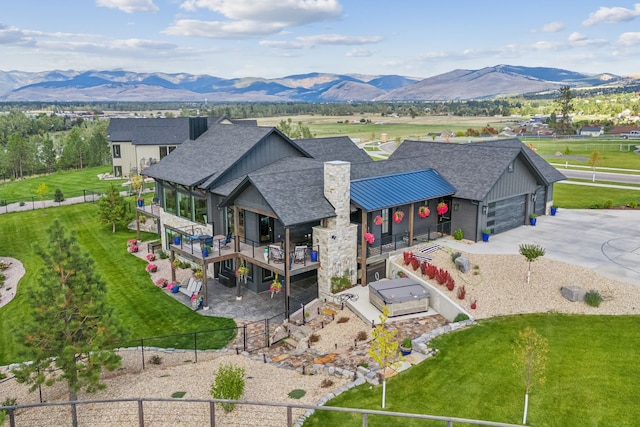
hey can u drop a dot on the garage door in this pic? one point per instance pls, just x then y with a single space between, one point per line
506 214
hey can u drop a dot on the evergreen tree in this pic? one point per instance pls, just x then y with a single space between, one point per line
565 104
113 209
70 328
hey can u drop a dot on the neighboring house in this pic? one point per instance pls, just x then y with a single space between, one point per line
136 144
591 131
275 195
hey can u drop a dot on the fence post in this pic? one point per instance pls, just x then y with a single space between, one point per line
74 415
140 413
212 414
266 333
195 345
289 417
12 417
244 337
142 347
365 420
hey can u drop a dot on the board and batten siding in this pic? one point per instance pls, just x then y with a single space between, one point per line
466 218
520 181
269 150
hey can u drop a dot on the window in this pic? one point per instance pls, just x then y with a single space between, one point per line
386 213
184 204
165 150
267 275
117 171
116 151
200 209
169 198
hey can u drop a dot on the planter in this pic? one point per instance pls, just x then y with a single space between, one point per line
140 203
485 237
176 240
405 351
554 211
205 252
533 221
314 256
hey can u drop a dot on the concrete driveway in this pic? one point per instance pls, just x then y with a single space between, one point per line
606 241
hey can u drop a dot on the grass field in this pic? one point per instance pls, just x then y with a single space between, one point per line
71 183
144 309
590 377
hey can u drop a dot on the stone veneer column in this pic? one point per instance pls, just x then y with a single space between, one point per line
337 240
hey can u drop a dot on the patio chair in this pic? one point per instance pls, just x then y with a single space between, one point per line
299 253
224 243
276 254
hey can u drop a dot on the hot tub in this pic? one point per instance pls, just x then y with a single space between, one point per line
401 296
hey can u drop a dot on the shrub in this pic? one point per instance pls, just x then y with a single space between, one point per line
162 254
363 363
326 383
451 284
458 234
362 336
229 384
343 319
415 263
407 256
455 256
432 271
314 338
155 360
461 292
633 204
443 276
406 343
593 298
58 196
424 266
608 204
460 317
297 393
340 283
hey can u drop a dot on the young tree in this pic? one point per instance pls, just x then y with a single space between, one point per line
530 349
531 252
112 208
70 328
595 160
229 384
384 348
42 191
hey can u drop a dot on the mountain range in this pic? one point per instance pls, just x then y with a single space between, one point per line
120 85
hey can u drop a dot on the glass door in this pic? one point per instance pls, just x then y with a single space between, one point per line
266 229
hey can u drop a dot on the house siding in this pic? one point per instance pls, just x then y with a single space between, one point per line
467 218
520 181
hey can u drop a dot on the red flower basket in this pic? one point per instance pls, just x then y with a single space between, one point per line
370 238
398 216
377 220
423 211
442 208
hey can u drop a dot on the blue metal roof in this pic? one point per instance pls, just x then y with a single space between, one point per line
381 192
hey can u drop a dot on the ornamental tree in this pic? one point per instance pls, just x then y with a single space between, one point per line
384 348
530 350
70 329
112 209
531 252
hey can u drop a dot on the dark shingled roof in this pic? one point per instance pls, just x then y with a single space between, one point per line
473 168
145 131
204 159
334 148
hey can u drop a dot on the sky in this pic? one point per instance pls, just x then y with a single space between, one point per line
277 38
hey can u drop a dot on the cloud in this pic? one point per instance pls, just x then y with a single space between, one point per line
221 30
359 53
612 15
305 42
629 39
575 37
129 6
552 27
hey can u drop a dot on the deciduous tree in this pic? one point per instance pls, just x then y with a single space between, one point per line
71 328
384 348
530 349
112 208
531 252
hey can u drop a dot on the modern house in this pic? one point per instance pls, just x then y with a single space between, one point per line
136 144
593 131
311 210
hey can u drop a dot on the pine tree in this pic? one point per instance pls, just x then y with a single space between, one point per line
113 209
70 328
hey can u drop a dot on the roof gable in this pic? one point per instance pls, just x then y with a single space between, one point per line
334 148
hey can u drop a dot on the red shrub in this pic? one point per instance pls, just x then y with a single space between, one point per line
424 266
451 283
408 256
473 305
442 276
432 271
415 263
462 292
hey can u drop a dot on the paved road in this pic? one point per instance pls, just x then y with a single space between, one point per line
601 176
606 241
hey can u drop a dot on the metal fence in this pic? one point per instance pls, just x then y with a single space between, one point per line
201 412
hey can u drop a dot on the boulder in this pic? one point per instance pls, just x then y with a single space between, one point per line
573 293
462 264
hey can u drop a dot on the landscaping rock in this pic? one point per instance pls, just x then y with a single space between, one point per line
573 293
463 264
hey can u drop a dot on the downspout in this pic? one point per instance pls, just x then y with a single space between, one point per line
287 274
363 249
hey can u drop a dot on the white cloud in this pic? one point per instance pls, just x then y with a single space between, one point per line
359 53
575 37
129 6
552 27
284 12
221 30
629 39
612 15
305 42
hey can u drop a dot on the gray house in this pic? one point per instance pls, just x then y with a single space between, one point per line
310 210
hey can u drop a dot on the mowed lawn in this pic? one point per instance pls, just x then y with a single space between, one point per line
591 377
144 309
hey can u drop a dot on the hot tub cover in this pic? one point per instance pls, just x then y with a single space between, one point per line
398 290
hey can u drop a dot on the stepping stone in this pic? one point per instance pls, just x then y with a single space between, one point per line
328 312
280 358
290 342
326 359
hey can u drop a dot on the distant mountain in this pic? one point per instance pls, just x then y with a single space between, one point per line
121 85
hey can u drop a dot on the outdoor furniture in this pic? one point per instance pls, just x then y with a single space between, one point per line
224 243
193 287
276 254
299 253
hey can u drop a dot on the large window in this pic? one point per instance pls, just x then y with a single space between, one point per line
116 151
184 204
169 197
165 150
200 209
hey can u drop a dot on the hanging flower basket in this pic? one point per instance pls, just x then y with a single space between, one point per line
377 220
442 208
276 286
423 211
370 238
398 216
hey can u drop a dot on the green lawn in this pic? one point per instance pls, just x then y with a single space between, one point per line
144 309
570 196
590 380
71 183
